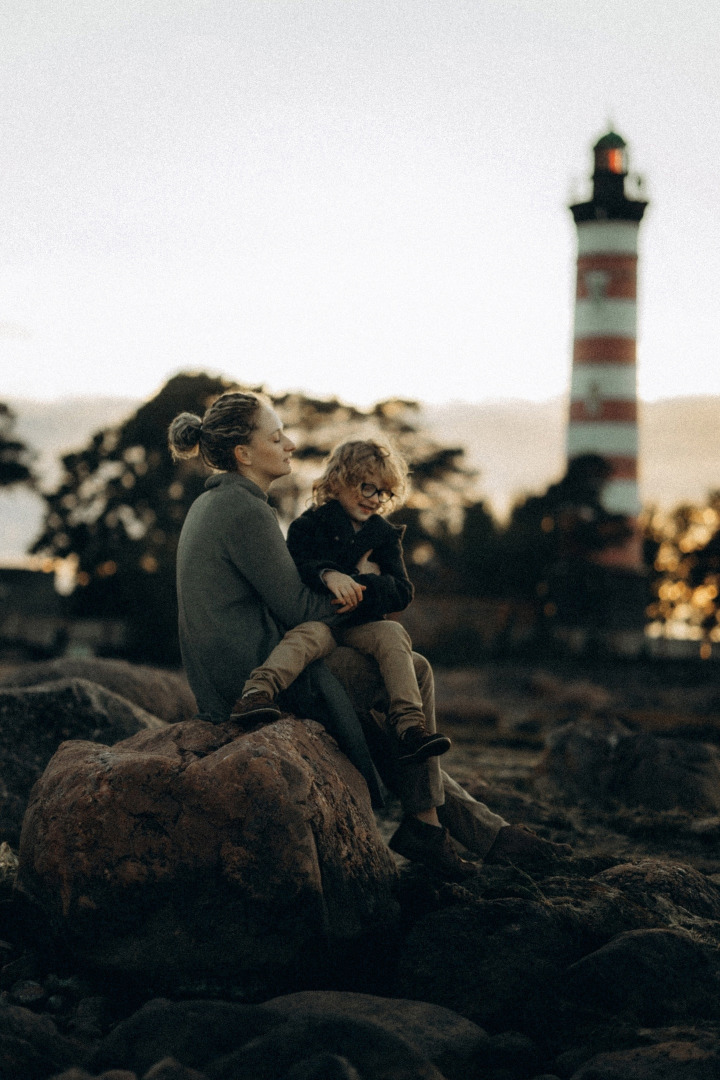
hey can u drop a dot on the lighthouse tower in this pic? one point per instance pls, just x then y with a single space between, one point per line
603 398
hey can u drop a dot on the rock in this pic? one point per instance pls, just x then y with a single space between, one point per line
323 1066
194 857
596 911
28 993
34 721
580 694
450 1041
74 1074
169 1069
192 1032
651 976
495 962
669 889
83 1074
30 1045
679 1060
165 694
296 1051
601 762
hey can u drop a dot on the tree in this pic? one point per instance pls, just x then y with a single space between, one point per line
119 507
548 553
685 559
117 513
15 458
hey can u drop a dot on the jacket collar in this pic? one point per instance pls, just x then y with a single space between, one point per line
375 528
233 479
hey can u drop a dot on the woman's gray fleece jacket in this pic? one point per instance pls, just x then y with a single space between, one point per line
239 591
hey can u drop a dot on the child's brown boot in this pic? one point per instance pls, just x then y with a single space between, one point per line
418 744
257 705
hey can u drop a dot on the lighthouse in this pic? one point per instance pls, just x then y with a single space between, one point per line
603 393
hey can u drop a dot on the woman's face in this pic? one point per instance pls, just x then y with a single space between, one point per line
268 454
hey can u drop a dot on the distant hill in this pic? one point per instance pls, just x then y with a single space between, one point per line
517 447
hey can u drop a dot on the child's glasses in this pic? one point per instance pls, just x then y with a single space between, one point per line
368 491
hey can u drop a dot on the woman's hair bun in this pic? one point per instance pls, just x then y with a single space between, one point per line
184 436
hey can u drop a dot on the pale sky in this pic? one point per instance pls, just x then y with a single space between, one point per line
363 198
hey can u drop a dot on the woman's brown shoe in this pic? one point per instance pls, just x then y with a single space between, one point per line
518 844
430 845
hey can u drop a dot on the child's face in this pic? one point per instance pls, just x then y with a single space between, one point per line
360 507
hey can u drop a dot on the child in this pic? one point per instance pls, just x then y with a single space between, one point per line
343 544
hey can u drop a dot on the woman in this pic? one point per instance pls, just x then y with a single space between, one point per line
239 592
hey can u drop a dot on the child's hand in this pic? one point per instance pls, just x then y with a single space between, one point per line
365 566
345 589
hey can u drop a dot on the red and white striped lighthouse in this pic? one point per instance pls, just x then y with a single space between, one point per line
603 394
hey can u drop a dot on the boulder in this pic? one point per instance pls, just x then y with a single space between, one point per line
199 1033
678 895
451 1042
496 962
193 856
35 720
601 762
163 693
30 1045
649 976
595 910
169 1069
325 1048
77 1073
191 1032
674 1060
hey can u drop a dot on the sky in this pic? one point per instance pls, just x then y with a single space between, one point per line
361 198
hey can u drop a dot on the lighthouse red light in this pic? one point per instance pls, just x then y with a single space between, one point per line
614 162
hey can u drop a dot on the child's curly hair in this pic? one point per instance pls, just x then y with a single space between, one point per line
353 463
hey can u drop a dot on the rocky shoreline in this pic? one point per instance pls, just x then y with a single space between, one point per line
597 966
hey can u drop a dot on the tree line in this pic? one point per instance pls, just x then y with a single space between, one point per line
117 511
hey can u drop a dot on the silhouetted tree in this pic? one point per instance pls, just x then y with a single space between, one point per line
117 513
15 457
478 553
547 554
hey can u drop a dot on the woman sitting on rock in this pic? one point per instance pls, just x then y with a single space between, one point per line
239 591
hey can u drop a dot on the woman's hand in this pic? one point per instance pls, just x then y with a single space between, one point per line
345 589
365 566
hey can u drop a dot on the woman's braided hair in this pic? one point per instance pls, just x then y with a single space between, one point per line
229 422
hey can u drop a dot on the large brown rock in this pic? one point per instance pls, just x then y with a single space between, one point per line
194 856
678 895
651 976
30 1046
451 1042
35 720
163 693
601 762
679 1059
494 962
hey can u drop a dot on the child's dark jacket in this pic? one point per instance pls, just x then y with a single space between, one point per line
323 538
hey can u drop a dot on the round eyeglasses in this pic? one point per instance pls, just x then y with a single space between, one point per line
369 491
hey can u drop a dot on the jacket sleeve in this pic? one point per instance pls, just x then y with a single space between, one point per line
306 545
255 545
391 590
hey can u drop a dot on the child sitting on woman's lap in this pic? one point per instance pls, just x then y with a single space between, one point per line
343 544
